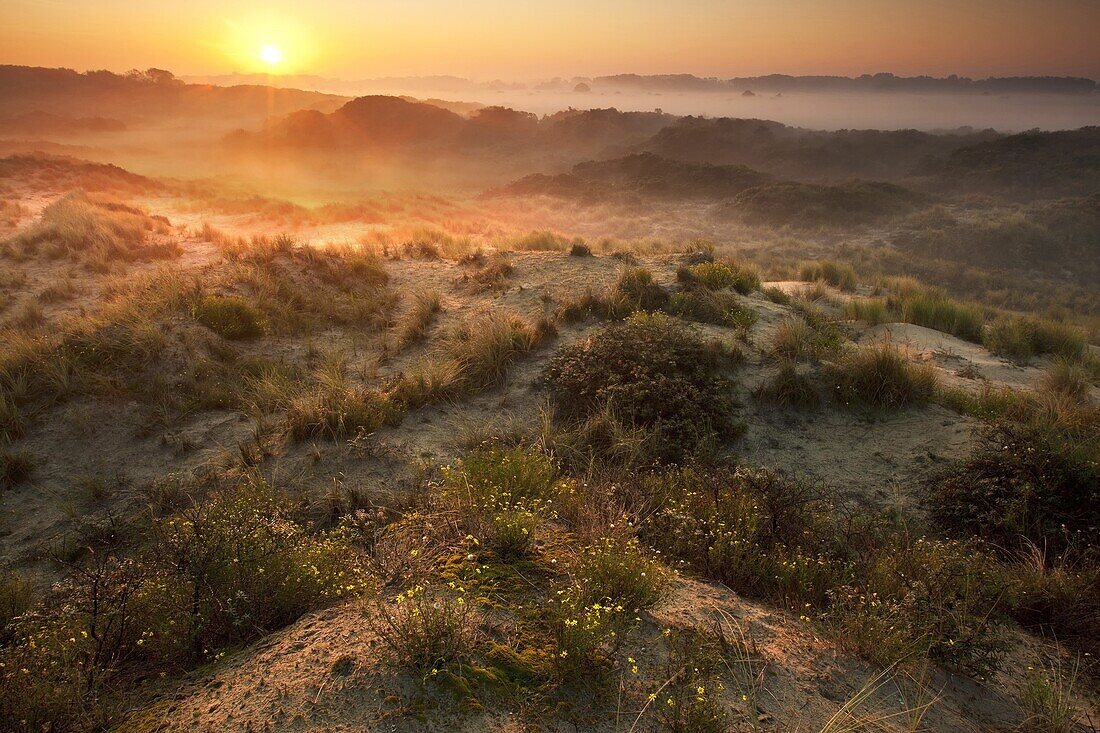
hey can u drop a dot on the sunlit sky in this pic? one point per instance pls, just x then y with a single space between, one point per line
523 39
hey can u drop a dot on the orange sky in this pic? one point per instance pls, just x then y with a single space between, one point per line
537 38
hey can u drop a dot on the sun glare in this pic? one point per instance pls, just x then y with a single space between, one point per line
271 55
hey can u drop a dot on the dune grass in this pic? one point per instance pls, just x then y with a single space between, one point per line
881 375
96 232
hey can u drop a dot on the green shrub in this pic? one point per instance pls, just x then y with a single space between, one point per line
838 275
229 316
231 567
502 495
889 594
1035 480
709 306
881 375
586 637
720 275
919 597
619 573
428 628
652 372
1022 338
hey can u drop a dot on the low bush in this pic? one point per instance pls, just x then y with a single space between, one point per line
619 573
652 372
881 375
502 496
1033 480
229 316
720 276
580 249
709 306
231 567
889 594
428 628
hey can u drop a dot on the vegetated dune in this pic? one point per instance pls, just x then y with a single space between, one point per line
146 96
379 122
811 205
639 175
1058 238
1028 165
46 123
799 153
53 173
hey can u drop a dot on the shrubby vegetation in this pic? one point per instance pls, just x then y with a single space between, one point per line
236 565
653 373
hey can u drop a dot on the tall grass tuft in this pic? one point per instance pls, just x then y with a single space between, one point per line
881 375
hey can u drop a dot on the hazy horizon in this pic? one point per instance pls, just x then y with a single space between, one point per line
565 38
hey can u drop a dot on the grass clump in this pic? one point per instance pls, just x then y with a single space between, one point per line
334 406
869 310
229 316
789 388
1022 338
839 275
484 349
651 372
1048 697
16 466
426 305
636 290
932 308
580 249
806 337
1069 377
97 233
881 375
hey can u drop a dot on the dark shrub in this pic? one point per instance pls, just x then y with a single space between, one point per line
580 249
1030 480
652 372
638 291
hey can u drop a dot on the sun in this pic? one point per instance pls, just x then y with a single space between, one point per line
271 55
